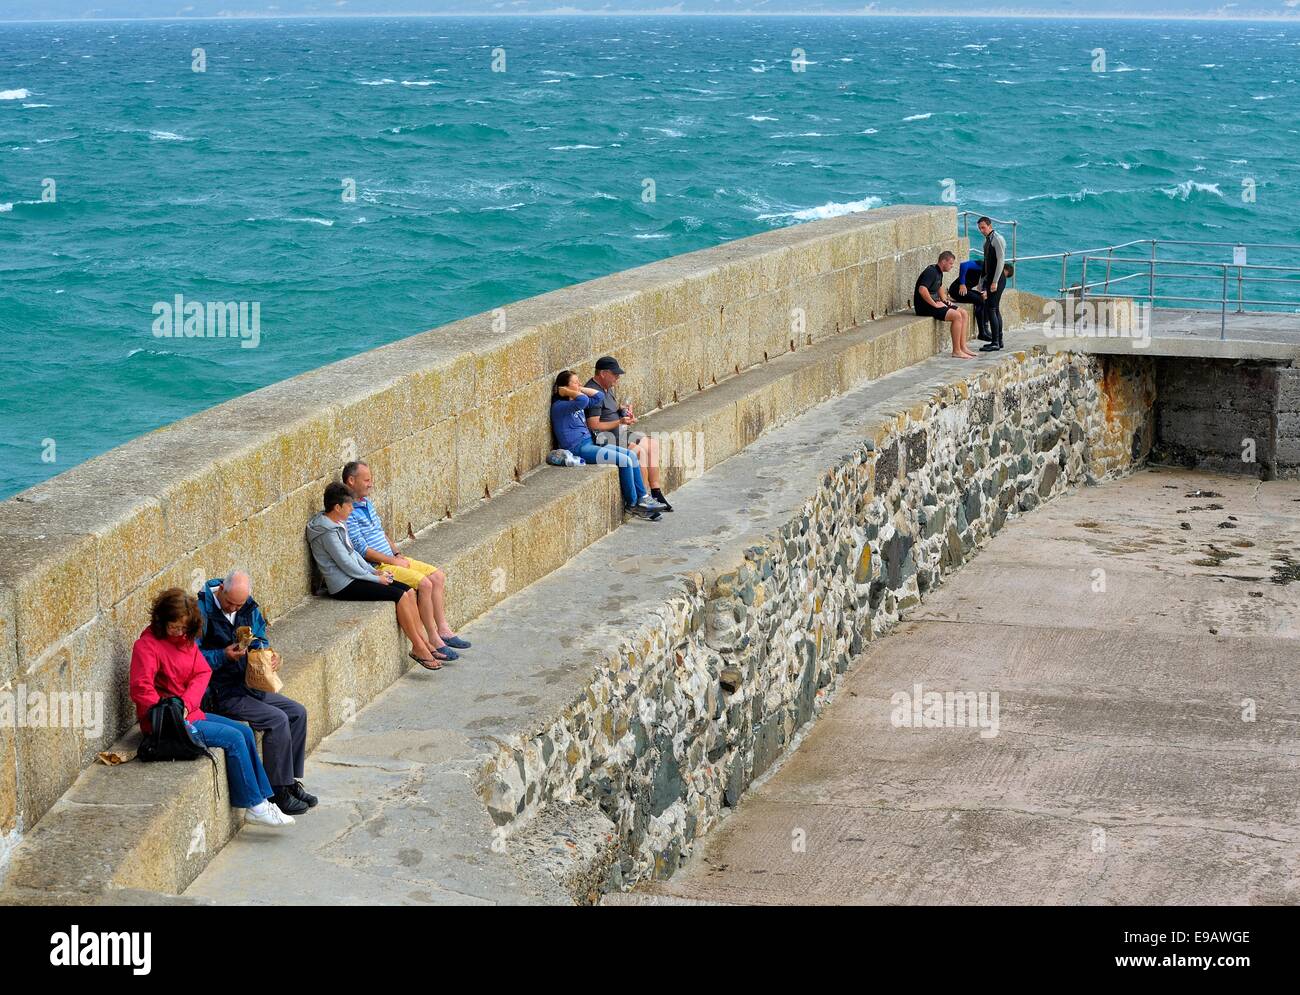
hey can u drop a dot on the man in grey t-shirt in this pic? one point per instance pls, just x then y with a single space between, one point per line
611 424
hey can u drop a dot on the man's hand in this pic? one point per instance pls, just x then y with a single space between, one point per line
233 652
275 661
401 561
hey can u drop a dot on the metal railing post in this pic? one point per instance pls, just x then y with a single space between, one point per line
1015 229
1223 313
1110 254
1241 308
1083 280
1151 287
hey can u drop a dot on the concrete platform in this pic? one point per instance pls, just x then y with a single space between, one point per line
1254 335
1122 771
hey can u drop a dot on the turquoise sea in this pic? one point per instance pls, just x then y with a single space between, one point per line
476 188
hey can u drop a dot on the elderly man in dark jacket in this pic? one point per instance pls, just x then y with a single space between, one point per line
226 604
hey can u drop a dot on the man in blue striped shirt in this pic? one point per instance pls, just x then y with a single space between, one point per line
367 534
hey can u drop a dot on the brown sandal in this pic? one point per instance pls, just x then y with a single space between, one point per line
426 664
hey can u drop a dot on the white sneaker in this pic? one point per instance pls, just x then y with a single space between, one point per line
268 814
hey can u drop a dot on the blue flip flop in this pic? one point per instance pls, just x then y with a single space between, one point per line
455 642
445 653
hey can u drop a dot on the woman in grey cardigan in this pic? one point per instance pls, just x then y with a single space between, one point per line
349 577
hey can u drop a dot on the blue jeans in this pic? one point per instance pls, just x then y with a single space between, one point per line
629 467
244 771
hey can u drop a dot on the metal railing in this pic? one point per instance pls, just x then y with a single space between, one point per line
965 217
1233 278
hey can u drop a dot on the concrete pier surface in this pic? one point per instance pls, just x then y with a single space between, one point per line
1142 639
1182 333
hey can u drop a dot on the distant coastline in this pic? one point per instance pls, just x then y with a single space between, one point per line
1008 15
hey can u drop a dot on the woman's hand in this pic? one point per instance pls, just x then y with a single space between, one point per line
589 391
568 393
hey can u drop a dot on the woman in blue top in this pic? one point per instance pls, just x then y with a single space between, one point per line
568 402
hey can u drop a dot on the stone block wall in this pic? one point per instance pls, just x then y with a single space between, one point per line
446 419
1230 416
703 699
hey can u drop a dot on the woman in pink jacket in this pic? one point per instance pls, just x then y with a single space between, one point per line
166 663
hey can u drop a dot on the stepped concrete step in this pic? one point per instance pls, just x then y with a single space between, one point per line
339 656
406 768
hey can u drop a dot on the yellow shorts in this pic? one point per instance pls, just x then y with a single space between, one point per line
410 576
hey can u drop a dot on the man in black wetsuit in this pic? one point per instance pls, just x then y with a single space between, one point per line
996 271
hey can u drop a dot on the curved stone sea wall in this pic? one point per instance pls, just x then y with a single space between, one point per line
729 669
447 419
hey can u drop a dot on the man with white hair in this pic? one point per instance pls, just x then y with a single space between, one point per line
226 604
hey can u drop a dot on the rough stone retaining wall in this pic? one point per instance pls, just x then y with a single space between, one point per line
688 711
446 418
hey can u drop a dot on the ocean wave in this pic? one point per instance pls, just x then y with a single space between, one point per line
6 208
1187 188
761 117
325 222
451 131
572 148
828 210
15 94
422 82
667 132
168 136
919 117
377 82
37 105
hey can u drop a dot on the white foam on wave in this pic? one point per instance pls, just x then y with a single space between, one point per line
667 132
421 82
829 210
6 208
872 131
572 148
761 117
168 136
36 105
15 94
377 82
919 117
1189 187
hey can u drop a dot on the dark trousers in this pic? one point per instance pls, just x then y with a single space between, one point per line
993 311
283 723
